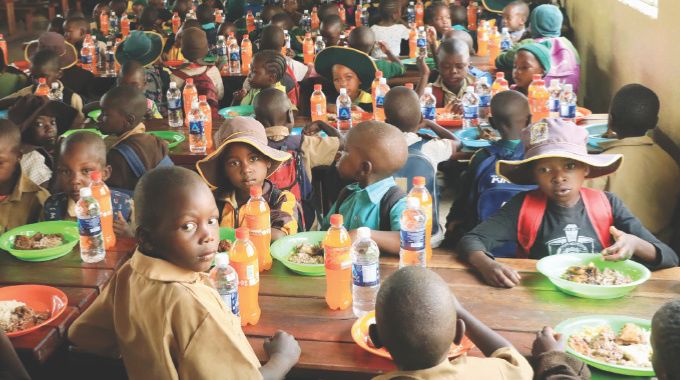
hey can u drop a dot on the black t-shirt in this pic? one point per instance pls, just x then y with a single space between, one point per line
563 230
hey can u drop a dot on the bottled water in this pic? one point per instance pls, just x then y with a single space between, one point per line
306 21
411 13
234 58
412 251
421 42
470 108
319 45
555 90
225 280
90 227
221 51
86 58
258 21
286 38
568 103
55 93
344 107
113 23
110 64
483 91
197 141
365 272
175 116
428 104
343 40
506 40
380 91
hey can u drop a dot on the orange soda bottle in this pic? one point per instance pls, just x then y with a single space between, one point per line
494 46
256 218
250 21
379 94
318 104
42 89
124 25
246 54
472 15
376 82
243 258
3 47
336 248
315 21
413 42
342 14
419 191
176 22
101 193
538 98
483 39
420 13
207 122
104 23
500 84
308 49
357 16
189 94
115 47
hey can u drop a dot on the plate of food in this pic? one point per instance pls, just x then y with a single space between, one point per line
174 63
91 130
448 119
616 344
41 241
599 133
173 138
26 308
361 337
302 253
357 117
588 275
234 111
412 62
582 113
471 138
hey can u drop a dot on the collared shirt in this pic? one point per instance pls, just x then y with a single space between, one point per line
506 363
450 96
362 207
363 98
316 150
33 164
113 140
167 322
436 150
23 205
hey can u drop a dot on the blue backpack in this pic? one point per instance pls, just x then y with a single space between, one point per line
56 205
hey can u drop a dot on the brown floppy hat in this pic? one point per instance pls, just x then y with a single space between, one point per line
238 130
27 108
195 45
68 56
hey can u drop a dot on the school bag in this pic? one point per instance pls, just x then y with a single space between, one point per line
291 84
136 164
204 86
56 206
389 199
597 207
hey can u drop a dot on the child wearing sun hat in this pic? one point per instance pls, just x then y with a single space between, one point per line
348 68
560 216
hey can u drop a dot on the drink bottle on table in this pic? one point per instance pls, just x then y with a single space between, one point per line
568 103
420 13
555 91
308 49
421 42
365 272
411 13
344 111
225 280
538 98
314 19
379 94
42 89
234 58
256 217
428 104
319 45
419 192
246 54
90 228
197 139
175 114
102 194
338 263
483 91
412 235
318 104
189 95
55 93
472 9
470 102
207 119
244 260
413 42
506 40
500 84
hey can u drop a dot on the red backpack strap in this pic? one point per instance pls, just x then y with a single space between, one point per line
180 74
529 221
438 95
599 211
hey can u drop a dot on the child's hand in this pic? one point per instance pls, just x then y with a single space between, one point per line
239 95
382 45
455 107
121 227
547 340
431 33
282 345
624 248
423 68
315 127
499 275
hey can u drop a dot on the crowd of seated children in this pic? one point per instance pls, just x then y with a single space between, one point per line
350 69
453 61
363 39
390 29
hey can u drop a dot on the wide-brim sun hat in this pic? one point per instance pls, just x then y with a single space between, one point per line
244 130
356 60
27 108
495 6
556 138
68 55
144 47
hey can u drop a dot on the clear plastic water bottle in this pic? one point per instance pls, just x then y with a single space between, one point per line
258 21
55 93
306 21
421 42
568 103
110 65
113 23
411 13
90 227
506 40
428 104
286 38
175 114
234 58
470 108
319 45
365 272
483 91
221 51
412 235
197 140
555 90
225 280
344 107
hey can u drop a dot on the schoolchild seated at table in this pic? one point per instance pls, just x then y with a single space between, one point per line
389 29
20 198
297 35
243 162
174 52
138 7
163 291
328 9
515 17
149 21
163 13
551 362
331 28
467 38
574 218
291 8
438 16
266 71
131 152
80 155
205 15
195 50
132 73
665 337
348 68
372 153
75 30
458 14
531 59
95 24
272 38
182 7
417 318
363 39
453 61
650 192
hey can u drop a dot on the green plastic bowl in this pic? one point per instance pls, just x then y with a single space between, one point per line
228 112
554 267
173 138
227 233
91 130
68 229
576 325
283 248
94 115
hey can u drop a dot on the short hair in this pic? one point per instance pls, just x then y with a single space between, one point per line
332 20
127 99
387 8
634 110
92 140
381 143
432 9
402 109
44 58
453 46
362 38
274 62
205 14
272 38
79 21
10 132
506 103
521 5
458 15
271 105
327 9
269 11
666 333
147 20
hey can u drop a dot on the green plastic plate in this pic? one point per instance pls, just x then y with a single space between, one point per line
68 229
227 233
412 62
576 325
91 130
234 111
94 115
554 267
173 138
283 248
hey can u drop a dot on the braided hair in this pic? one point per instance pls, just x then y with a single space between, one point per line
273 62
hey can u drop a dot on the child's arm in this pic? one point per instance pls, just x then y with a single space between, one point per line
318 126
487 340
551 362
387 241
238 96
440 131
424 72
10 365
121 227
386 50
283 351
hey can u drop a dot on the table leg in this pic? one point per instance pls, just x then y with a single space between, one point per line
11 22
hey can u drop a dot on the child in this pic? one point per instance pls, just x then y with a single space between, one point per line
132 74
272 38
20 199
531 59
195 49
458 14
95 26
297 35
205 15
81 154
467 38
149 21
350 69
363 39
328 9
651 194
267 70
331 28
163 13
11 80
162 291
515 16
416 320
438 16
75 29
575 219
390 29
291 8
665 336
550 360
118 6
373 152
242 161
453 61
174 53
182 7
131 152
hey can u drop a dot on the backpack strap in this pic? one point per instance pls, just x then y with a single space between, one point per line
132 159
342 196
599 211
391 197
529 221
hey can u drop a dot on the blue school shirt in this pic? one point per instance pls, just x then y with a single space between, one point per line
362 207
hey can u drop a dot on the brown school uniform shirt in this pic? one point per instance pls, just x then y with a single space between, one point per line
167 323
506 363
23 205
150 150
316 150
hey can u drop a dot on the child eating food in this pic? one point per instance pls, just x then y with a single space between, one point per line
350 69
453 61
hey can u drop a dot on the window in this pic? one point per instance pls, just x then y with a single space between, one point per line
646 7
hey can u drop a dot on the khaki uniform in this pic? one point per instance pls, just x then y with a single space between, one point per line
23 206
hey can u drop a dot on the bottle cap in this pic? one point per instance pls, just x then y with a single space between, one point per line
41 80
343 91
173 84
317 87
470 89
427 90
190 81
378 74
412 202
202 98
336 220
255 191
554 83
222 260
96 175
383 80
536 77
568 87
85 192
364 233
242 233
410 86
500 75
418 181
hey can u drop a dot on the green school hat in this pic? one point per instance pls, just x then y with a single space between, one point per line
356 60
546 21
541 52
495 6
143 47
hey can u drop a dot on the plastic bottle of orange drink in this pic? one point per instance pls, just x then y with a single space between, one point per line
376 82
336 248
124 25
256 218
318 104
3 47
243 258
483 39
246 54
250 21
104 23
308 49
419 191
494 45
207 119
42 89
413 42
188 95
538 99
420 13
500 84
101 193
176 22
342 13
472 15
314 18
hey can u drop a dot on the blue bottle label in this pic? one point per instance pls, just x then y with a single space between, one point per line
365 275
344 113
484 100
231 300
568 111
554 105
470 112
413 240
506 44
379 101
86 59
429 113
196 127
174 104
222 51
421 42
234 56
90 226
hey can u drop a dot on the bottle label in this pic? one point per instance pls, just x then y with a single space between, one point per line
196 127
230 299
366 275
86 59
554 105
568 111
470 112
379 101
413 240
337 258
344 113
506 45
234 56
429 112
248 273
319 110
421 42
222 51
258 224
90 226
484 100
174 104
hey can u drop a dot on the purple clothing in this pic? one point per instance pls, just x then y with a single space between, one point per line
564 60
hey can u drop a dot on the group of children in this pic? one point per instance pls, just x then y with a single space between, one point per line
563 198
